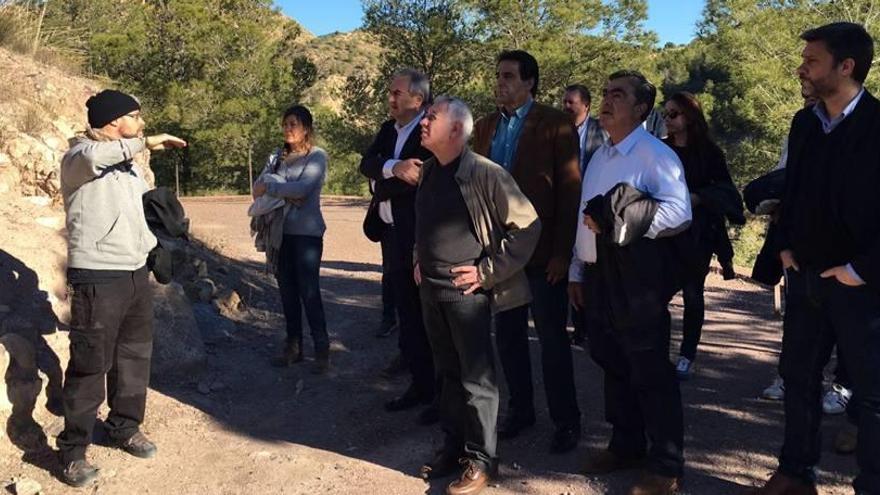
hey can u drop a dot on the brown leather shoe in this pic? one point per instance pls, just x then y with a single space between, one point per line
780 484
654 484
474 478
606 461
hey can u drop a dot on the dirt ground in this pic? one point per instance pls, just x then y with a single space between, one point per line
254 429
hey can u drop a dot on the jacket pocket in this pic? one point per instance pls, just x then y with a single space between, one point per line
119 240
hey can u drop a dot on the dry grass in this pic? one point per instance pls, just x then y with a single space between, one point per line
21 31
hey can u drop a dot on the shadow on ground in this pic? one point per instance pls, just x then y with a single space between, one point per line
729 432
26 316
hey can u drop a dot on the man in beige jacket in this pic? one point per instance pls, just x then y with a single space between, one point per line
475 232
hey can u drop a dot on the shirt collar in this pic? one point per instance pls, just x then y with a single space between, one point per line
625 146
828 124
409 125
520 112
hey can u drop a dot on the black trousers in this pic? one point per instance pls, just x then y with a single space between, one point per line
817 309
642 396
414 346
111 342
389 315
694 316
549 309
579 324
462 350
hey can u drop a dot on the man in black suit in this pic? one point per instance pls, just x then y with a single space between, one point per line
829 241
576 102
393 164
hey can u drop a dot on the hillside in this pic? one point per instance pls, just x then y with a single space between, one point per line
338 56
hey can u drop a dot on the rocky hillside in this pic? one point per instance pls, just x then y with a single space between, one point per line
41 108
338 56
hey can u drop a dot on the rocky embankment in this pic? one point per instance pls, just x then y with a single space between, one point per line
41 108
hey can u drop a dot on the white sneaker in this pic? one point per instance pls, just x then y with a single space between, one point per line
836 399
776 390
684 368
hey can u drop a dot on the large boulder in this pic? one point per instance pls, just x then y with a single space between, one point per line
178 348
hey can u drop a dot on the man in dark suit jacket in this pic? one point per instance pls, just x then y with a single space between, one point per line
392 163
576 102
829 236
538 145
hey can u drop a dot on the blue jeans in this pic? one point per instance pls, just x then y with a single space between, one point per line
549 310
299 265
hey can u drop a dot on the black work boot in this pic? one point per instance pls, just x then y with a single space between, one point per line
138 445
79 473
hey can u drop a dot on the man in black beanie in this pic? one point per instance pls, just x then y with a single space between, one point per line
111 324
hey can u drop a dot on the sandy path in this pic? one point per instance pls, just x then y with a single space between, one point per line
265 431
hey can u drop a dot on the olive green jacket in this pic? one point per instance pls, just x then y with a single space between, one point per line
506 225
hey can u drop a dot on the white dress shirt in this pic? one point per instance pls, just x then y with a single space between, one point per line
645 163
403 133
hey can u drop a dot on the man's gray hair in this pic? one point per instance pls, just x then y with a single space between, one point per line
418 83
459 112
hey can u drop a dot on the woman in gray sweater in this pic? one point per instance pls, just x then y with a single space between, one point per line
303 167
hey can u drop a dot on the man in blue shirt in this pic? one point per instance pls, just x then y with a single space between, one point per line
538 145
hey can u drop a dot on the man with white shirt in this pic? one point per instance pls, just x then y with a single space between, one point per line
628 330
393 164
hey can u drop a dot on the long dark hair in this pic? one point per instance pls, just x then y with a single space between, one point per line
304 116
697 128
700 144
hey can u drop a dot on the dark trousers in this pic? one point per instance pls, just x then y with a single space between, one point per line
111 338
641 389
692 293
549 311
414 346
462 351
815 308
693 318
841 374
388 308
298 276
579 323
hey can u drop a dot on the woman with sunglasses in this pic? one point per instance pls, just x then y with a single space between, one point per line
713 195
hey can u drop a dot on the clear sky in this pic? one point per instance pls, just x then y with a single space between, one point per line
672 20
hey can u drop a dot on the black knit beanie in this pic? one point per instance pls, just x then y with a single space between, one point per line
109 105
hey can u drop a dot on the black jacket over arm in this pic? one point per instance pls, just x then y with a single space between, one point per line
849 192
401 194
635 277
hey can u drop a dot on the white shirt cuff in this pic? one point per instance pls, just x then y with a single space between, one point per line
855 275
387 171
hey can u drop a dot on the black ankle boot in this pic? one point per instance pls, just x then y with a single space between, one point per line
291 354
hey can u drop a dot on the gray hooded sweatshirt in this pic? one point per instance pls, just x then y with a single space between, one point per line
102 190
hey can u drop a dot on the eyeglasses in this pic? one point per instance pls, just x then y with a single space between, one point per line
671 114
